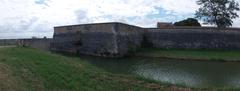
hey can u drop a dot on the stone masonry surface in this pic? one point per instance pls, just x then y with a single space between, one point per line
119 39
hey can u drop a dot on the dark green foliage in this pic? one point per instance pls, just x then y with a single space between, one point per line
188 22
218 12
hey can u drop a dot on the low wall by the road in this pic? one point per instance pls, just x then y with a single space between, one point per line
8 42
42 44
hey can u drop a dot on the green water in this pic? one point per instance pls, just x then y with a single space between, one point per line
183 72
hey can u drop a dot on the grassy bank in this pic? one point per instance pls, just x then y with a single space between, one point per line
26 69
217 55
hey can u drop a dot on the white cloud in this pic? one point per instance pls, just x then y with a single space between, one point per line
180 6
26 18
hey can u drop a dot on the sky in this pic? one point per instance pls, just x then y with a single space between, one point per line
28 18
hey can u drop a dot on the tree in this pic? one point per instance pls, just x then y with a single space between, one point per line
34 37
217 12
188 22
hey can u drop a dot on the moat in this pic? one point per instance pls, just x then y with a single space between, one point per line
200 74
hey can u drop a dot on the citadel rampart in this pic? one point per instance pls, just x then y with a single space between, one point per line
118 39
193 39
105 39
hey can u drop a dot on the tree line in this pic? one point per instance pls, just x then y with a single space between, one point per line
214 12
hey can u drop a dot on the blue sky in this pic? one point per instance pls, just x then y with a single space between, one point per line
40 1
27 18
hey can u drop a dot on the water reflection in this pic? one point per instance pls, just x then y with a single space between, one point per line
189 73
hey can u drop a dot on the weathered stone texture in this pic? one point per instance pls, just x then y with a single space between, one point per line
42 44
106 39
129 38
193 39
63 42
98 43
118 39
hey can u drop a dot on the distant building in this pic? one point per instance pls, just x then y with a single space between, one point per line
164 25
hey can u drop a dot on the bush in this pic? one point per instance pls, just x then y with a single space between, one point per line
188 22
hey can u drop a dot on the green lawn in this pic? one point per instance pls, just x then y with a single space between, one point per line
219 55
26 69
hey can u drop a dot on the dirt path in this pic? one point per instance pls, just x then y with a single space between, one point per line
7 83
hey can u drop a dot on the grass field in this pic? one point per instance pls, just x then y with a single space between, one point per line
26 69
216 55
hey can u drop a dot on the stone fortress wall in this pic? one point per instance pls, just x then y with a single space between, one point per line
193 39
105 39
118 39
